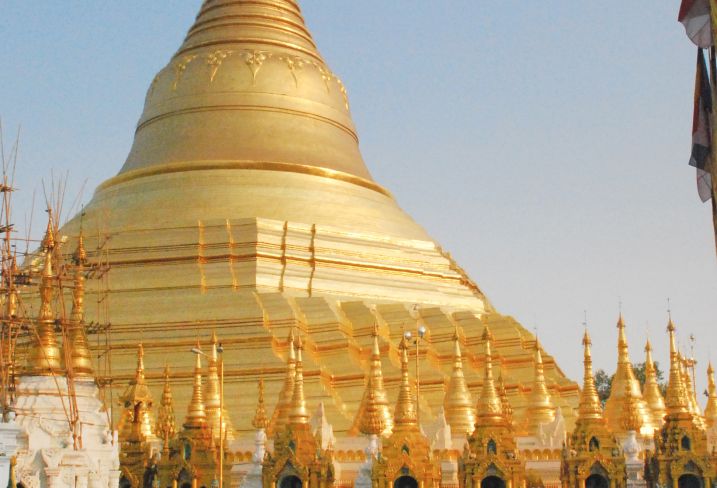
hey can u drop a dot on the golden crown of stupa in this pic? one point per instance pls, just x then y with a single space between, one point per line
245 208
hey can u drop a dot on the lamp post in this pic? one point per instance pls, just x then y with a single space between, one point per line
409 336
220 367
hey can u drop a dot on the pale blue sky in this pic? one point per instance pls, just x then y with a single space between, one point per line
544 144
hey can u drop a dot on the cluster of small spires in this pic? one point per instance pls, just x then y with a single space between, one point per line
626 409
645 410
47 355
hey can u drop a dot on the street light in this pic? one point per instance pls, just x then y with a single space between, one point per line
220 367
409 336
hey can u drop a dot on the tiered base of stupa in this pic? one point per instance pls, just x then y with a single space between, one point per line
48 456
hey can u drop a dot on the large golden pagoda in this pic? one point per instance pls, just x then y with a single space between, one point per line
245 207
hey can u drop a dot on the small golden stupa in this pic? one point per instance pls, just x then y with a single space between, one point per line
244 207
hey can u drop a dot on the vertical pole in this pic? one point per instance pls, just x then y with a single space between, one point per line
713 163
221 421
418 388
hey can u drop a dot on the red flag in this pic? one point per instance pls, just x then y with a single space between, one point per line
695 16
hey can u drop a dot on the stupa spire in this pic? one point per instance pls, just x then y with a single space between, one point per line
457 403
504 402
137 402
490 408
166 421
690 393
625 389
651 391
675 400
196 412
80 353
711 407
298 414
283 405
540 409
590 407
374 416
405 417
212 395
260 420
45 357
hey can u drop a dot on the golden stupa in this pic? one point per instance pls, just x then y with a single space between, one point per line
245 208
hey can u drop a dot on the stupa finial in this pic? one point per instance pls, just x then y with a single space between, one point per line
623 355
137 402
374 416
651 391
45 357
260 421
457 402
283 405
196 412
166 421
298 414
675 399
405 417
590 407
540 409
489 409
80 352
711 407
212 395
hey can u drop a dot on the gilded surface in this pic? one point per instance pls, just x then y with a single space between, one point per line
625 389
245 207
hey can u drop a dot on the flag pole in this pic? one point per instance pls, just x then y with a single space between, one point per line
713 163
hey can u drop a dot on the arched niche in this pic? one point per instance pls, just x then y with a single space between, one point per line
492 481
405 481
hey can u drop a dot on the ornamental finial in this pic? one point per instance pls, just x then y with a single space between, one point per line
711 408
298 414
196 412
45 357
280 418
540 408
405 417
590 407
489 409
374 416
651 391
260 421
675 399
457 403
166 421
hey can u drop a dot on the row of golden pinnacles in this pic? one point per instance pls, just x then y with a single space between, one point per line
638 439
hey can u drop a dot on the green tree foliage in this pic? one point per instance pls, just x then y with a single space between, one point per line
603 381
